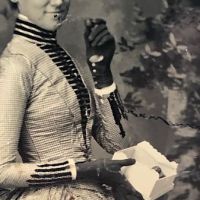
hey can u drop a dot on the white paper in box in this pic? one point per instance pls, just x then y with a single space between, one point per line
141 175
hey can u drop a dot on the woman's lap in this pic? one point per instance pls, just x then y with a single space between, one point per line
62 192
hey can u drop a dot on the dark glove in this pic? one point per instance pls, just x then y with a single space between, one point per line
104 170
108 172
100 48
121 188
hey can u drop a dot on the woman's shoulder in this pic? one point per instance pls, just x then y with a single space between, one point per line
21 53
16 56
19 47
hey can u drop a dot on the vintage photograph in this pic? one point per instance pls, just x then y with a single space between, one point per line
99 100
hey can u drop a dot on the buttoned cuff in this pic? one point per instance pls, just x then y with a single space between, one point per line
106 90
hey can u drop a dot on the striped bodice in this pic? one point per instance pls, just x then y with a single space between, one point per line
46 40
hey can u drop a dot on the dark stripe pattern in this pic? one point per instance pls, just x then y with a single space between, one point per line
118 110
48 174
34 32
46 40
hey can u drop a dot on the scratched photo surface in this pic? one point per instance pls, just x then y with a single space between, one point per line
156 68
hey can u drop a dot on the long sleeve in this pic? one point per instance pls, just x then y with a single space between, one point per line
16 76
110 120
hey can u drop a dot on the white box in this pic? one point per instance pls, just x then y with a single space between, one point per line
141 175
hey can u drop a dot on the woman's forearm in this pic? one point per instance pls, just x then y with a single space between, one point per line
110 122
88 170
37 175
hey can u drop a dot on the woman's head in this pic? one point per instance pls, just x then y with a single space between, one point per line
47 14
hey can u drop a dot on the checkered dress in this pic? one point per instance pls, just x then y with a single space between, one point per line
49 112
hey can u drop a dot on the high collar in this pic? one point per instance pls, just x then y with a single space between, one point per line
33 33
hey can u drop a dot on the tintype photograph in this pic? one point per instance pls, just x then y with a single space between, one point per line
99 100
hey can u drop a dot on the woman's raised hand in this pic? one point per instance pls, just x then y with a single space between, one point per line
98 39
100 43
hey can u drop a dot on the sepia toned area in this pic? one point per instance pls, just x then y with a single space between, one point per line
156 69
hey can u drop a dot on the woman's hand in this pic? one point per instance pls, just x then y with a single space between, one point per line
108 172
103 169
100 48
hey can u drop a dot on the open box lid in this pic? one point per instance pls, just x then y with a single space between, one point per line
142 176
146 154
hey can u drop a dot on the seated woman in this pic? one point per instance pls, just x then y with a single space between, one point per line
50 109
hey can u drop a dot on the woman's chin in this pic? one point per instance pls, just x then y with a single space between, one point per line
49 24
